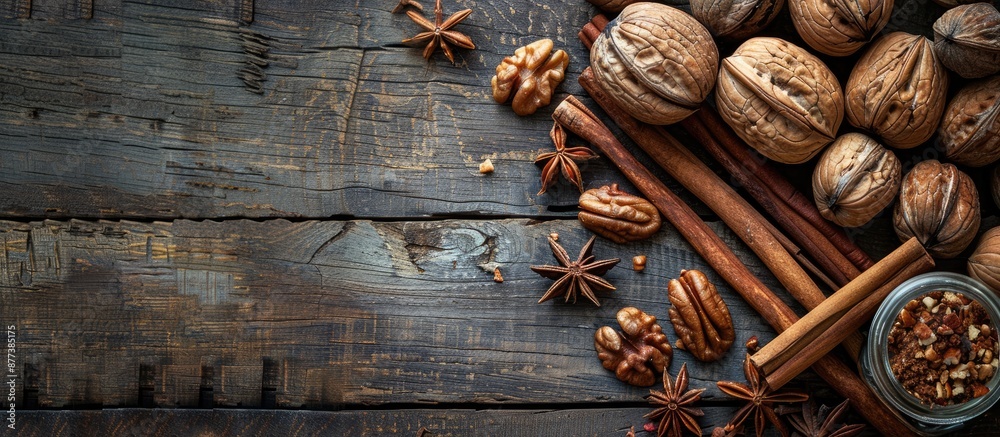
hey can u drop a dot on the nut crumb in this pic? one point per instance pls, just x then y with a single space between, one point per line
497 277
554 236
486 167
752 344
639 263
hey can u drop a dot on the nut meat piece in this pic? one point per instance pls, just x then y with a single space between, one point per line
967 40
617 215
939 205
854 180
970 129
701 319
839 27
897 90
531 75
656 62
780 99
736 19
984 264
637 353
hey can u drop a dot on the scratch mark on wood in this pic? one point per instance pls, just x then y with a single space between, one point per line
256 48
211 288
85 9
246 11
22 8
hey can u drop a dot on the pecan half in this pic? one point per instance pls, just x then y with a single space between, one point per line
617 215
531 75
700 316
638 352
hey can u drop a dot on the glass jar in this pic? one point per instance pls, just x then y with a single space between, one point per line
925 419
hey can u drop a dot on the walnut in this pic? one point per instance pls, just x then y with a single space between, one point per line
638 352
954 3
735 19
617 215
531 75
855 179
656 62
970 128
939 205
612 6
701 319
967 40
897 90
984 264
780 99
839 28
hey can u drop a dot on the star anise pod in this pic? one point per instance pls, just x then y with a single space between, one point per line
677 409
563 160
760 400
439 33
576 277
822 422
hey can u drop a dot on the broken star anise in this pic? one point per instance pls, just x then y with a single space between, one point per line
576 277
563 160
760 400
822 422
439 32
677 409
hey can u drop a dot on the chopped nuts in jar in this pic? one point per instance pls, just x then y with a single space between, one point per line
941 348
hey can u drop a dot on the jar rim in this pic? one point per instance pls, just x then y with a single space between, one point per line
877 354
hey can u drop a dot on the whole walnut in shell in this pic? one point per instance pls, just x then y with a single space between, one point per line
939 205
970 129
782 100
984 264
530 75
897 90
967 40
656 62
854 180
839 27
735 19
636 353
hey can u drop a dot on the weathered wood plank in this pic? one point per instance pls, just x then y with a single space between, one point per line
324 314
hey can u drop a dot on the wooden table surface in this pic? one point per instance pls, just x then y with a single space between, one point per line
266 217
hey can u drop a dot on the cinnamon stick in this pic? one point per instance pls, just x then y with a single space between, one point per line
799 336
850 321
573 115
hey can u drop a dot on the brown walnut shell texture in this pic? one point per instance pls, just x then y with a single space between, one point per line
967 40
984 264
970 130
612 6
531 75
897 90
839 27
782 100
657 62
701 318
617 215
639 352
855 179
939 205
736 19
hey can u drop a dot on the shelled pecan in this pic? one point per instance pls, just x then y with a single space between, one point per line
700 316
617 215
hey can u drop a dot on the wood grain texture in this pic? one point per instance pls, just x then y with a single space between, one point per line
325 314
315 109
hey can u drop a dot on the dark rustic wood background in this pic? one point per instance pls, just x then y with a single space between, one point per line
273 208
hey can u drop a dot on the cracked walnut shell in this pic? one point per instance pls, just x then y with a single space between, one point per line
736 19
656 62
897 90
701 318
531 75
970 129
939 205
617 215
984 264
854 180
967 40
637 353
782 100
839 27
